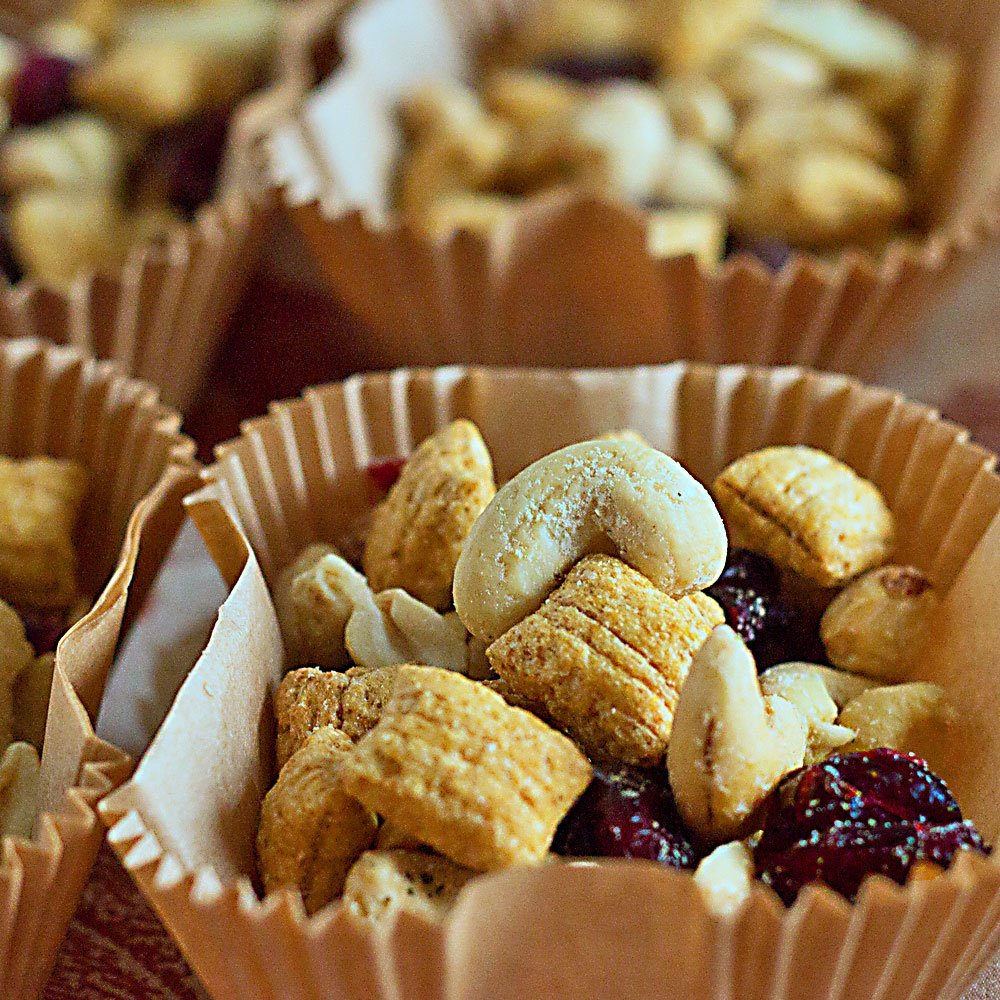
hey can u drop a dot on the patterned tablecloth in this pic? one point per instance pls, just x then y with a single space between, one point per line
281 341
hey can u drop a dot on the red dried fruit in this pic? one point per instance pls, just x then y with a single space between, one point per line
596 67
384 474
44 627
626 812
859 814
41 88
749 591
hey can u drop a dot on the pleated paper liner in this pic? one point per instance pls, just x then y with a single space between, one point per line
55 401
184 826
162 314
569 280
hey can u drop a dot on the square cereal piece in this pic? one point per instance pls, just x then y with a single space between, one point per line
39 502
605 656
453 765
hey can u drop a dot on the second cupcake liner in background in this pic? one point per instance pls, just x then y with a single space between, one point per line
569 280
58 402
301 474
161 315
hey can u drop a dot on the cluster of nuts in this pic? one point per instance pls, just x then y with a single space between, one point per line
40 499
116 117
505 651
817 123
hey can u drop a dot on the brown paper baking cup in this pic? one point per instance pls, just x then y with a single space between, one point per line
569 280
161 316
55 401
184 826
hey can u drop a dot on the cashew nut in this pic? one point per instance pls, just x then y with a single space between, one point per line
806 690
725 878
393 628
596 496
903 716
730 744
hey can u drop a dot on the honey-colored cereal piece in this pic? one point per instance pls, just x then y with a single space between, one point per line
309 699
20 770
154 84
16 655
59 233
903 716
364 699
72 151
311 831
731 744
453 765
315 597
525 97
878 625
939 91
391 838
386 882
571 26
696 32
31 700
606 655
40 499
306 700
807 511
418 530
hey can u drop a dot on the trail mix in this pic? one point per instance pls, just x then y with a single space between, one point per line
115 119
756 125
603 658
40 499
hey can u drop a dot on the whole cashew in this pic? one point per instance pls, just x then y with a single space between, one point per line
730 744
597 496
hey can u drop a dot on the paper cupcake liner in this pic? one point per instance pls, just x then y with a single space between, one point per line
162 315
55 401
185 824
569 280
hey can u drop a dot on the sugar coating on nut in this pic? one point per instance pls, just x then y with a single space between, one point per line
877 625
904 717
453 765
807 511
596 496
386 882
606 656
730 743
311 831
418 530
315 597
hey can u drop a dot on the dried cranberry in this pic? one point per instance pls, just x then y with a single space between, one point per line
384 474
44 627
773 253
857 814
775 631
183 160
41 88
595 67
626 812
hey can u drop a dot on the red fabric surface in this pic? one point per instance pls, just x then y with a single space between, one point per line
284 337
